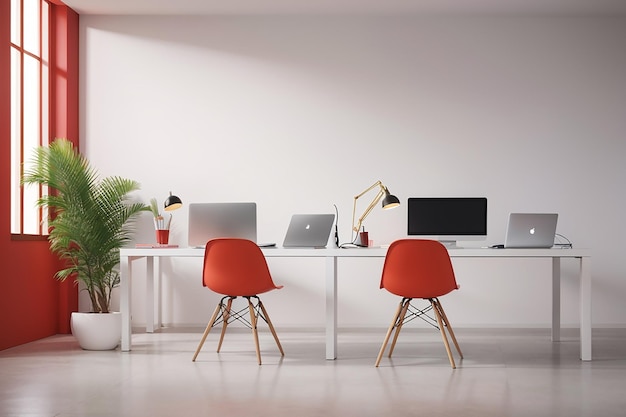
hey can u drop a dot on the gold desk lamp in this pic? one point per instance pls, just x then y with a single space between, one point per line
389 201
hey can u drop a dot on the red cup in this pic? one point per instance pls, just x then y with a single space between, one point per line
162 236
364 239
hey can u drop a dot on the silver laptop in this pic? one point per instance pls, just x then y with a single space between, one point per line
531 230
309 230
212 220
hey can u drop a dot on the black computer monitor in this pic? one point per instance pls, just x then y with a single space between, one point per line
448 219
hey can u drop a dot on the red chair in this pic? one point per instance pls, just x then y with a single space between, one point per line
417 268
237 268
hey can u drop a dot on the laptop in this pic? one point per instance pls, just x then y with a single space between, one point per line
212 220
531 230
309 230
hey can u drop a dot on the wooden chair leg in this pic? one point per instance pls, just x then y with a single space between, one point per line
391 327
271 326
399 323
225 318
450 331
443 332
207 330
253 321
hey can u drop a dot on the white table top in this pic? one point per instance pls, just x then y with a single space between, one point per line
373 252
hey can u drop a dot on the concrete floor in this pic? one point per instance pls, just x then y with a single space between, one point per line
513 372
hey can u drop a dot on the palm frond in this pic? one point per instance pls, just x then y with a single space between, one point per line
91 219
154 207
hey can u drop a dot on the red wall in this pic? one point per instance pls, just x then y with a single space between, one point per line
33 304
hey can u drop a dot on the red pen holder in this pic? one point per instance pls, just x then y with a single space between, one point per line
162 236
364 238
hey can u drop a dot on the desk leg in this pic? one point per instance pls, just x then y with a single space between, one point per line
585 308
150 295
556 299
159 296
331 308
125 279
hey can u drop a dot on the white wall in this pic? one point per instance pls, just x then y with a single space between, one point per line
298 113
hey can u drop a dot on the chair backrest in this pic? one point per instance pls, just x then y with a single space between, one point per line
236 267
418 268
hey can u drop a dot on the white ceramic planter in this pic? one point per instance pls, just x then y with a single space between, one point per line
97 331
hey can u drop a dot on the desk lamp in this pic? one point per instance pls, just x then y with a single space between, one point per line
390 201
172 203
161 224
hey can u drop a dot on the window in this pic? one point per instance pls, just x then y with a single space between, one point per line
30 97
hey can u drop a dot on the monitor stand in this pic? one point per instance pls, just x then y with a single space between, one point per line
449 244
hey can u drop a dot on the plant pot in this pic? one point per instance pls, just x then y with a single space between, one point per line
97 331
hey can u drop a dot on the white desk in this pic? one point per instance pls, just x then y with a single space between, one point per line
129 255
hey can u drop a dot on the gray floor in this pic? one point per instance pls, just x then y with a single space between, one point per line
504 373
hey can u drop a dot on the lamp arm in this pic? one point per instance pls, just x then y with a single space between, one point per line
357 227
367 211
376 184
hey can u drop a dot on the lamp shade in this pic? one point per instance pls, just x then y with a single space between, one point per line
172 203
390 201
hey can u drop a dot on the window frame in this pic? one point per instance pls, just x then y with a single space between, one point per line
32 225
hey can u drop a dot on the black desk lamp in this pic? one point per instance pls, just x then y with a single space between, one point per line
172 203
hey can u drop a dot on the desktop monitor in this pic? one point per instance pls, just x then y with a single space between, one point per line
448 219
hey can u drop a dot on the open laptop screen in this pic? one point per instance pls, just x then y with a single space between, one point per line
212 220
531 230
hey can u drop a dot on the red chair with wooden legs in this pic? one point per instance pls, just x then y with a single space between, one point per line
418 268
237 268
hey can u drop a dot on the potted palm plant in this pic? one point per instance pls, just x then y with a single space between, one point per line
90 219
